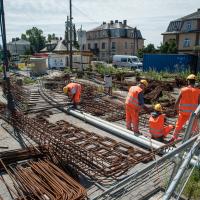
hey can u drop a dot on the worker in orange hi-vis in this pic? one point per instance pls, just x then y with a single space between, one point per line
157 126
73 90
186 104
134 103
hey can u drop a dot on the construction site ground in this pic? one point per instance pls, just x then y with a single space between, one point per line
93 188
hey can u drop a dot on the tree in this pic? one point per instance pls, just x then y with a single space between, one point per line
150 48
23 36
36 38
169 47
51 37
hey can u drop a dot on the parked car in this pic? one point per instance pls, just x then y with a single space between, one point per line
128 61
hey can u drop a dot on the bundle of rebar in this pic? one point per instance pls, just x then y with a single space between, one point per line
42 180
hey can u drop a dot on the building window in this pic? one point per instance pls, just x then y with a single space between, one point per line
113 45
126 45
104 33
103 45
89 46
95 45
186 42
189 26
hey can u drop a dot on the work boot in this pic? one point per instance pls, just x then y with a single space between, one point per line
74 106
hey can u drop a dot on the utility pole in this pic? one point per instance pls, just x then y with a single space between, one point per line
70 55
7 86
67 32
7 89
81 47
134 31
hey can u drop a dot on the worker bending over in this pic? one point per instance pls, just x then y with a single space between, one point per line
73 90
157 126
134 103
186 104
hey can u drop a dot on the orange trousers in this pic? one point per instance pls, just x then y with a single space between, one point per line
132 118
182 119
166 131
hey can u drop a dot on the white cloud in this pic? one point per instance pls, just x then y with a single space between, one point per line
151 17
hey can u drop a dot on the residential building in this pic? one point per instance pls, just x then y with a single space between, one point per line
18 46
186 32
114 38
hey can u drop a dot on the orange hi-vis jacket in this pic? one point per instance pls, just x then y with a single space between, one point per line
77 88
189 100
156 126
132 98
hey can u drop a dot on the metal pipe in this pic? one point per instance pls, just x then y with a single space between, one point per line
116 130
123 129
181 171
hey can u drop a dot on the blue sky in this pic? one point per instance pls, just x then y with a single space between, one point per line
150 16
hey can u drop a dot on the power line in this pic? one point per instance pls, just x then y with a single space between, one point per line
91 19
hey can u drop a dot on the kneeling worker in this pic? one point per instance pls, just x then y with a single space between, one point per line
73 90
134 104
156 124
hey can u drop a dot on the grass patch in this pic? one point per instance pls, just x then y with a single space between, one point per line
167 76
192 189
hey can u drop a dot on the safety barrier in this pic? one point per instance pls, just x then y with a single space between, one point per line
184 170
165 177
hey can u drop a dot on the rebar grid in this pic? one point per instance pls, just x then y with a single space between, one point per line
100 158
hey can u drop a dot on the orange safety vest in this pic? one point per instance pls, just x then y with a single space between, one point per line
132 98
189 100
156 126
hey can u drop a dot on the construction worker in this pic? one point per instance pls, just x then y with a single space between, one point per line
186 104
156 124
73 90
134 103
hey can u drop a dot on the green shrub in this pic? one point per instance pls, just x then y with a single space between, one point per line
28 81
1 69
